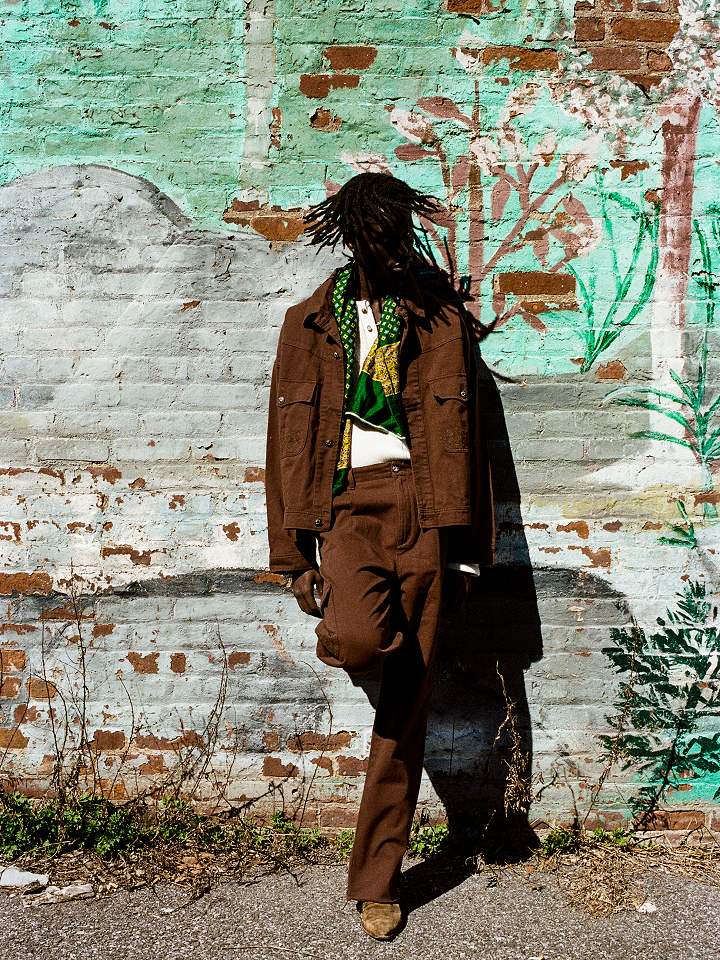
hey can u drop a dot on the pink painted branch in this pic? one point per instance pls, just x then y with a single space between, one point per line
506 246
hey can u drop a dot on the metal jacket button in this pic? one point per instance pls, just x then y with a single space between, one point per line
318 523
328 443
281 399
463 395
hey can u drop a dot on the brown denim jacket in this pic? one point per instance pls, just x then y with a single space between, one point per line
439 393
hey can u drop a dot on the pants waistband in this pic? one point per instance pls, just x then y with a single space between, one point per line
377 471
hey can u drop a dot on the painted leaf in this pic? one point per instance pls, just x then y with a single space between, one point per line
500 195
541 248
577 210
443 108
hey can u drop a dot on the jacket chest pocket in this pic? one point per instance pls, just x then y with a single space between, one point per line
294 401
450 412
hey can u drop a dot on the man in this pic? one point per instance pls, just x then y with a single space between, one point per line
375 460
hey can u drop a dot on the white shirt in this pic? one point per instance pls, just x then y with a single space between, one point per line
371 445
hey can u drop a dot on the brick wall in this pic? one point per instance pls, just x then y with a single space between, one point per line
151 241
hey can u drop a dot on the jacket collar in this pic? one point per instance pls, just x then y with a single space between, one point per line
318 306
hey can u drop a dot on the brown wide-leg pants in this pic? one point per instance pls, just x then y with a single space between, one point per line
381 602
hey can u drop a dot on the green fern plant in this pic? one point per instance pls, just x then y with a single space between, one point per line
667 706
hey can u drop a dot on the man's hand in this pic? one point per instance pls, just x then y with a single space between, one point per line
304 585
456 589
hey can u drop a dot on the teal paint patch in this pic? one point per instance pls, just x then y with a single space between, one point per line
153 88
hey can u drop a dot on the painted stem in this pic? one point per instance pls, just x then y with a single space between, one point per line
674 241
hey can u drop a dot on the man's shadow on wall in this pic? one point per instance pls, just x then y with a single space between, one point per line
479 753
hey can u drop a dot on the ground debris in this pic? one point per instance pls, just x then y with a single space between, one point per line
602 879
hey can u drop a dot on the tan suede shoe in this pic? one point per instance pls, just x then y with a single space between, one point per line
382 921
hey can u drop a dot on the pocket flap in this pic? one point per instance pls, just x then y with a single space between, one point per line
295 391
449 388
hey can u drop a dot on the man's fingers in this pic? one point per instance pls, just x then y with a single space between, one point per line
304 587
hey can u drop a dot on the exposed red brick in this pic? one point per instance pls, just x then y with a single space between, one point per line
104 471
616 59
319 741
11 660
276 225
707 496
598 558
587 28
146 664
478 8
645 30
232 530
318 85
577 526
151 742
13 529
603 820
102 629
26 713
40 689
629 168
269 578
582 6
177 501
155 764
522 58
324 120
614 370
177 663
141 557
644 80
65 612
78 525
280 229
274 767
676 820
238 658
324 762
137 484
613 526
339 818
254 475
271 739
351 766
12 739
10 687
652 525
18 628
190 305
108 740
349 58
33 583
535 284
658 62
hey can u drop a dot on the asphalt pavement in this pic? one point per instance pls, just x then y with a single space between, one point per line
484 917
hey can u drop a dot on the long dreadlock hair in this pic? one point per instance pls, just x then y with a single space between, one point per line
379 197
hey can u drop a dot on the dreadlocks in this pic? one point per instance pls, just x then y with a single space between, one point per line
379 197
